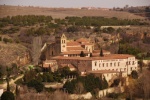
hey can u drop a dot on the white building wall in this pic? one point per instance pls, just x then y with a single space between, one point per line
121 65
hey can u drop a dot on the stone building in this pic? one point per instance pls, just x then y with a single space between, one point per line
68 53
67 48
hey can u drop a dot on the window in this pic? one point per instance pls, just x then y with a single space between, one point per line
118 63
110 64
114 64
103 64
131 68
133 63
99 65
64 41
107 64
95 63
129 62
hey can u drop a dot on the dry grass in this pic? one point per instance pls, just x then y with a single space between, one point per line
10 51
63 12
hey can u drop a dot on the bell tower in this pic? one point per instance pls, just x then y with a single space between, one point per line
63 43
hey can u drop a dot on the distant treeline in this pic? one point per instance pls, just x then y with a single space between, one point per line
101 21
28 20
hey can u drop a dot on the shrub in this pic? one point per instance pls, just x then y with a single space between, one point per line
134 74
7 95
36 84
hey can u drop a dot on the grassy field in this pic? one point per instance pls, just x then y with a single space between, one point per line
63 12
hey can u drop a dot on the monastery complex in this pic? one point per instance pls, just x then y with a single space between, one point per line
63 52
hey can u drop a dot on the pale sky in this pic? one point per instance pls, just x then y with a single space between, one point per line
77 3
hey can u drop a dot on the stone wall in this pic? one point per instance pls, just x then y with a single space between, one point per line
103 93
146 62
80 96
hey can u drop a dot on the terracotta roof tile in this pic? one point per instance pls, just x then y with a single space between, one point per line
107 57
98 51
86 44
75 48
82 40
73 43
75 52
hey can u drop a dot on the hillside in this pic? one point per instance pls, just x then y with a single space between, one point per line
11 53
63 12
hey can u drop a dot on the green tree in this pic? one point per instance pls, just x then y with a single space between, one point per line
72 29
5 40
101 53
7 95
36 84
70 86
134 74
82 54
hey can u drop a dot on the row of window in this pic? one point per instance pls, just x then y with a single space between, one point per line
130 63
108 64
120 69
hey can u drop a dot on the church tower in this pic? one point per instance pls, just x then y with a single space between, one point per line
63 43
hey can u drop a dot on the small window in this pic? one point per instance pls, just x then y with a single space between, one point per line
133 63
114 64
118 63
95 63
110 64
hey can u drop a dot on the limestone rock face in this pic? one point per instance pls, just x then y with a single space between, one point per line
13 53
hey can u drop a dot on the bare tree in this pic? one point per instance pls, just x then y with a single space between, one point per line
36 49
144 84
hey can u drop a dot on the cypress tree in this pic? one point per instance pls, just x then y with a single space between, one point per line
101 53
82 54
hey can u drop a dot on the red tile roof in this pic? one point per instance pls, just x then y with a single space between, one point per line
107 57
82 40
75 49
98 51
75 52
73 43
86 44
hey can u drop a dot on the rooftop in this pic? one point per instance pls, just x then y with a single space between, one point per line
82 40
106 57
75 49
73 52
73 43
103 71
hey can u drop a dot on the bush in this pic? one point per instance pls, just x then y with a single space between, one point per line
134 74
7 95
36 84
7 40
